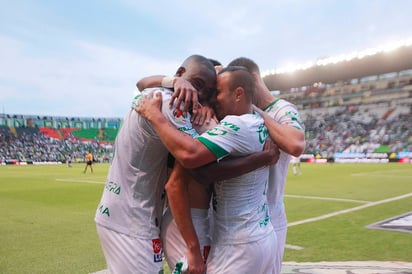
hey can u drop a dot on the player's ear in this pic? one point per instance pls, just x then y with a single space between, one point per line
238 93
180 71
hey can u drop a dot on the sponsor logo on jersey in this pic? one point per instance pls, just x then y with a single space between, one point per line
230 125
104 210
157 250
220 129
263 133
265 221
112 187
263 208
216 131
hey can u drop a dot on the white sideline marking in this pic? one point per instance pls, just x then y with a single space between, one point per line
78 181
395 172
350 210
325 198
294 247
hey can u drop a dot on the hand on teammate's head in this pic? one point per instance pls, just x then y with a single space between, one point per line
184 92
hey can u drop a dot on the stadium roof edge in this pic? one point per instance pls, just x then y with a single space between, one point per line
344 69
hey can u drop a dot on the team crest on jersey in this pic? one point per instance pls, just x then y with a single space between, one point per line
179 113
179 116
157 250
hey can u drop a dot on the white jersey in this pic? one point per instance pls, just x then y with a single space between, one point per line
132 198
240 204
284 113
295 160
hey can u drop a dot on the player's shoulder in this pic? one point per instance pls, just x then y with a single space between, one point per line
244 121
237 119
281 108
277 104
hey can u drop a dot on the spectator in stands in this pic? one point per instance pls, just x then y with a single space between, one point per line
69 160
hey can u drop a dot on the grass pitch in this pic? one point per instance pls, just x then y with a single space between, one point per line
356 195
47 226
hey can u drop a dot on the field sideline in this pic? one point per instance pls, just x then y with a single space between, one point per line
47 223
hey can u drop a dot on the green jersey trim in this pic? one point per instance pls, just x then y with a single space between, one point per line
271 104
218 151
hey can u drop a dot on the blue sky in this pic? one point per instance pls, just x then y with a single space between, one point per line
83 58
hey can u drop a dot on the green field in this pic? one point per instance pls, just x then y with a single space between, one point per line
47 226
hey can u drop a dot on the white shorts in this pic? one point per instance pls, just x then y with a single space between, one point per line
173 244
125 254
279 222
254 257
280 248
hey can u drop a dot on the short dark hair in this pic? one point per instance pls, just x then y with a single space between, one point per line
200 61
240 77
215 62
233 68
249 64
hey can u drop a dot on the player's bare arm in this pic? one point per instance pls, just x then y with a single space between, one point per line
177 189
231 167
190 152
150 82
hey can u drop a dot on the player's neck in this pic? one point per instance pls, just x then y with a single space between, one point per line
264 98
246 108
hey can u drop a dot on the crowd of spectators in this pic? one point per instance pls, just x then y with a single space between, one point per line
339 131
30 145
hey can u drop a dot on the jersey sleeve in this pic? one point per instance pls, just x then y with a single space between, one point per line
285 113
230 136
177 118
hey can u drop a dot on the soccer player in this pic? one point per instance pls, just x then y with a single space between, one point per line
287 130
295 161
89 161
129 213
242 225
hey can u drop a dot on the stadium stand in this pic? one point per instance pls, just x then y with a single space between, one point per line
51 133
86 134
67 131
359 105
35 139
